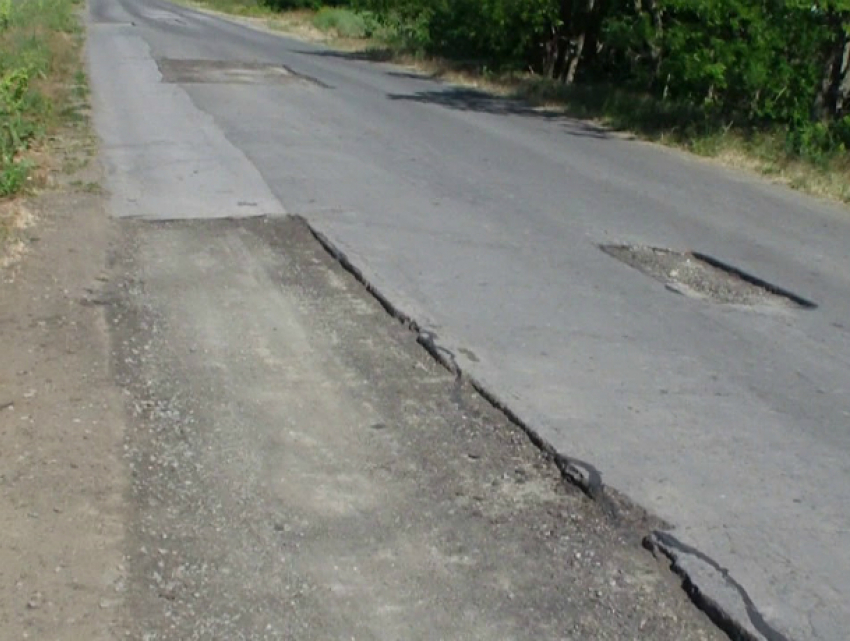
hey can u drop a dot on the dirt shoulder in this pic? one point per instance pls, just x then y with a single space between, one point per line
61 427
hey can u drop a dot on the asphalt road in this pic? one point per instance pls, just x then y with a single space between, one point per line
482 220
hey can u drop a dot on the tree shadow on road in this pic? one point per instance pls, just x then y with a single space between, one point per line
377 54
481 102
466 99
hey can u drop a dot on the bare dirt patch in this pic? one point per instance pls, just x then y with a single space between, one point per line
15 217
217 71
61 477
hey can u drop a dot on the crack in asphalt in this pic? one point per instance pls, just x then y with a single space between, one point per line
672 547
579 473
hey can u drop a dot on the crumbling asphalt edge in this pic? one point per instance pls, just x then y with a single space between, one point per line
751 627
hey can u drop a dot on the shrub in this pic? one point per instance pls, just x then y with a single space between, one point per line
344 22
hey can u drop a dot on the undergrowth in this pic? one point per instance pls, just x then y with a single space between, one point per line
38 44
344 23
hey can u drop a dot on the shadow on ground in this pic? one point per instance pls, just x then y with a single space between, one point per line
465 99
482 102
368 55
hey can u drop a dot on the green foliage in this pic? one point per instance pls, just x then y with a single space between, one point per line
502 33
13 177
5 13
344 22
17 127
30 43
819 142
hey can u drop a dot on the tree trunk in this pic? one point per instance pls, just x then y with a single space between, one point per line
842 93
592 46
655 50
561 38
575 57
550 51
833 98
581 24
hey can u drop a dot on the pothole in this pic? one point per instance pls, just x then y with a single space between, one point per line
226 72
700 276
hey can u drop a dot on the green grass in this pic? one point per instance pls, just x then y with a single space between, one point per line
342 22
39 43
252 8
338 27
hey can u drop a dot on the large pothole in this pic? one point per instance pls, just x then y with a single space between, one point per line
700 276
226 72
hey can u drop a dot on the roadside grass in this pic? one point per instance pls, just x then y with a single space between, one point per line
338 28
42 89
681 126
343 23
255 8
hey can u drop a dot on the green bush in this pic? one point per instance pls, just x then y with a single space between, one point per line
33 50
500 33
819 142
5 13
17 127
344 22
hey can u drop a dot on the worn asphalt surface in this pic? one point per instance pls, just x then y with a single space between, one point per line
482 221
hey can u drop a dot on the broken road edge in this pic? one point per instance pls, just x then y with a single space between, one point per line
623 511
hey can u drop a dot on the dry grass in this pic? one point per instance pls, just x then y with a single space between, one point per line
62 59
829 182
15 217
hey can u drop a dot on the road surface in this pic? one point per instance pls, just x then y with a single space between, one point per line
482 220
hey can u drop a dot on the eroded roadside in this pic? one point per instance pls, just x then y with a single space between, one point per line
303 469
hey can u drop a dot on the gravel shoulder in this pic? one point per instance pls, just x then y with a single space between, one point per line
303 469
